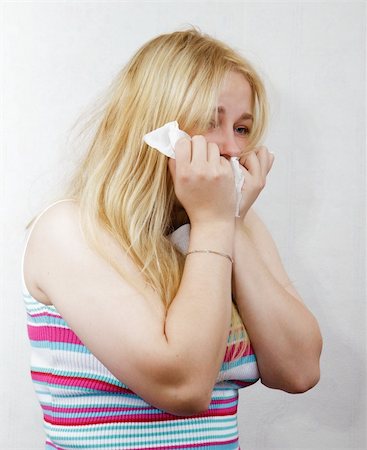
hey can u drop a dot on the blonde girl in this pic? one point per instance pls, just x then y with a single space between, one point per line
138 342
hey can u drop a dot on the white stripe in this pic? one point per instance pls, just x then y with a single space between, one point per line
67 361
98 401
44 397
146 441
245 371
162 428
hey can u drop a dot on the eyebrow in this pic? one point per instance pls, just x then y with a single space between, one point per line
246 116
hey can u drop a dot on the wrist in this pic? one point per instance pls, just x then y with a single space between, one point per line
218 236
214 227
213 252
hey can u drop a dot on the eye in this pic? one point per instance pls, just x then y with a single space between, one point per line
242 130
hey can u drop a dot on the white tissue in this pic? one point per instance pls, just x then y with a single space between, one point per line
164 139
239 179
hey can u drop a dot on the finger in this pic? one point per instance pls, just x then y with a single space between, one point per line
264 158
252 164
225 162
270 160
272 157
199 149
247 177
183 151
213 153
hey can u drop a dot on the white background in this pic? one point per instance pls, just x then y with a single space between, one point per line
58 56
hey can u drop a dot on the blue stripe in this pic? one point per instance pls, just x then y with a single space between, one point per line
238 362
164 434
77 348
154 443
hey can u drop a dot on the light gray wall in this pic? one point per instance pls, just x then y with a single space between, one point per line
58 56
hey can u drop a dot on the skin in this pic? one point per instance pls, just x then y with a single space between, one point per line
178 370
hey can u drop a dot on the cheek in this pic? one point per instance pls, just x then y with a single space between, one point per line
242 144
212 136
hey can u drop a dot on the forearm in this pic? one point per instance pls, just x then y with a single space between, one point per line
198 320
283 332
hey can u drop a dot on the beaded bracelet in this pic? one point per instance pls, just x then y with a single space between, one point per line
210 251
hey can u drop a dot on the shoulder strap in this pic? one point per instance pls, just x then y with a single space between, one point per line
29 231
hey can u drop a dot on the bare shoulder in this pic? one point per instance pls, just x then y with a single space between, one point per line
57 230
57 220
57 249
57 225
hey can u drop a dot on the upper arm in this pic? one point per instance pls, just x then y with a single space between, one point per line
268 251
122 327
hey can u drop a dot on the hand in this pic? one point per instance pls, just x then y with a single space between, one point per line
256 165
203 181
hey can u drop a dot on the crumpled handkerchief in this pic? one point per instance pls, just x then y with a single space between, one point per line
164 139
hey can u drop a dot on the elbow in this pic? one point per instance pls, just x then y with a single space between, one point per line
174 389
295 382
189 401
191 408
307 376
198 403
298 375
303 383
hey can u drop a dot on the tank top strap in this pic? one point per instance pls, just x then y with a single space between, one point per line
29 231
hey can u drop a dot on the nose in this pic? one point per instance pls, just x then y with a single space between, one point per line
227 145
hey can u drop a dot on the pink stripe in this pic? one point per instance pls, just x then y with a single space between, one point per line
53 334
121 409
230 356
152 416
45 315
93 410
243 383
220 401
50 444
78 382
173 447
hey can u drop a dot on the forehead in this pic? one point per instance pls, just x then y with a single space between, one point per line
236 93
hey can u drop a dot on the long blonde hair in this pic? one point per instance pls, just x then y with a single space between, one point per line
124 185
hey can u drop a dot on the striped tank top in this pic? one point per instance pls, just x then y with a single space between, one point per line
85 407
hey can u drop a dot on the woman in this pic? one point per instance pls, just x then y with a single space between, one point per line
139 341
